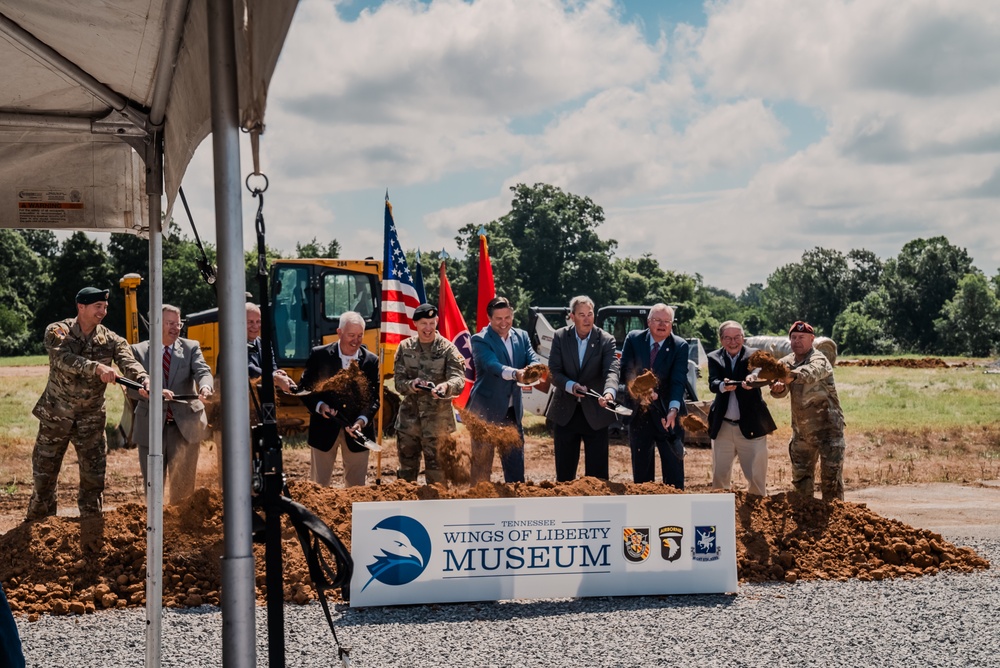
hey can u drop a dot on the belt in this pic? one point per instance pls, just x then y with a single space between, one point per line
170 421
735 422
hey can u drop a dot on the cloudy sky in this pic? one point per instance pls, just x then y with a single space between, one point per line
725 137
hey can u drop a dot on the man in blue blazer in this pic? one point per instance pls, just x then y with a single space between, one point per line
656 424
500 353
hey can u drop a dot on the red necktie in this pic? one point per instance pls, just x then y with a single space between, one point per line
652 353
166 377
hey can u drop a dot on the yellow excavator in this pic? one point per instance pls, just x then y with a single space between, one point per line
307 298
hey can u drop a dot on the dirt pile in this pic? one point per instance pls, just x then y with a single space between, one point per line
71 566
786 537
904 362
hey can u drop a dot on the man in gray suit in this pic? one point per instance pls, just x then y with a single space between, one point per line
582 358
187 380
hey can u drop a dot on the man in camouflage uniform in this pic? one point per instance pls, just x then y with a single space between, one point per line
71 408
817 420
429 372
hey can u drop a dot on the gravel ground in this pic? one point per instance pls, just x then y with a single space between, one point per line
945 620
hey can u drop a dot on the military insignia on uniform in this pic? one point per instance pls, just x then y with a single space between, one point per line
635 542
706 547
670 542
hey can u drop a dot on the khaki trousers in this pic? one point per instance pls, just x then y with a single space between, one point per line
355 464
752 453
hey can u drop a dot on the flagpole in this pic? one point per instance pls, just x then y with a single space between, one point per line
381 413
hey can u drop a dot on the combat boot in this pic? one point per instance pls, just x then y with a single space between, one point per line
434 476
409 475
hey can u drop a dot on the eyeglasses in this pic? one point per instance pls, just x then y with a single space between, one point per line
657 321
732 339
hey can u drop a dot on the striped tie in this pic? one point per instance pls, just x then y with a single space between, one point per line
166 377
652 353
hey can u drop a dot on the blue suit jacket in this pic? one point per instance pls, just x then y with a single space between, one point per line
670 366
491 394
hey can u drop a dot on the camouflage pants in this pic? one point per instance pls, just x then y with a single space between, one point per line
830 452
87 435
409 447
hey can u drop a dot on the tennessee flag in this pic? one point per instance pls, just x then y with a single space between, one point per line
487 290
399 296
452 326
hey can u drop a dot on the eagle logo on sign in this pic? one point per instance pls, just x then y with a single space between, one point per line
670 542
635 542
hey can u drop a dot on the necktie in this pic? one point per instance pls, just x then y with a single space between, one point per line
166 377
652 353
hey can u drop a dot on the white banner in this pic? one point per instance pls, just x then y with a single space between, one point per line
495 549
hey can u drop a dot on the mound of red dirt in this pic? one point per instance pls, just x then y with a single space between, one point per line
904 362
73 566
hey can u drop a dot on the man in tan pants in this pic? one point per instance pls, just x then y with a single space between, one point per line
738 421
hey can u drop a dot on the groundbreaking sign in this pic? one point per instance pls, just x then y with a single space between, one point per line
494 549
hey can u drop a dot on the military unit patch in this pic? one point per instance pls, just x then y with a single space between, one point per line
635 542
706 547
670 542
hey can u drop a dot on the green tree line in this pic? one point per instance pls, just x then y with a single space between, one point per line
546 249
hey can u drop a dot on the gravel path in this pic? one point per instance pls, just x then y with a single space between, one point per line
945 620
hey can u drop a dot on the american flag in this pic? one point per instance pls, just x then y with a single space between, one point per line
399 296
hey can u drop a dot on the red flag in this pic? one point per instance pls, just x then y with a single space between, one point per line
452 326
487 290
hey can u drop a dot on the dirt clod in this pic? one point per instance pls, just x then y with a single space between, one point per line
694 423
535 372
504 437
770 368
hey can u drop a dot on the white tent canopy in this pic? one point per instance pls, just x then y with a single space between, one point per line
102 102
83 86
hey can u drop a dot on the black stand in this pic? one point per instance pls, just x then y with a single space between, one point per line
271 496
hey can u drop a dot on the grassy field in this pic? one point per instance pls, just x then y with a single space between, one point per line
903 425
27 360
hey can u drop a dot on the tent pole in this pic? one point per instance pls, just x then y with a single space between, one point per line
154 462
238 592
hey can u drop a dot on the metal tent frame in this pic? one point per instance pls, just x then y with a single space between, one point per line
65 104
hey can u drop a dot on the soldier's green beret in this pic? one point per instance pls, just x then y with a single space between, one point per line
91 296
424 311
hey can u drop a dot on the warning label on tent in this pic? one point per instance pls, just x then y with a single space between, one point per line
50 208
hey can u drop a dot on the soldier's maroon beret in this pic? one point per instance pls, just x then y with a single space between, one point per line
803 327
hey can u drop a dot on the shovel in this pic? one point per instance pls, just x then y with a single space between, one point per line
612 406
361 440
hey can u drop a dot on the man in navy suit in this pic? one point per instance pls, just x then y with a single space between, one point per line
655 425
500 354
326 408
583 358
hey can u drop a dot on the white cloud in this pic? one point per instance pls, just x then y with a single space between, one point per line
683 141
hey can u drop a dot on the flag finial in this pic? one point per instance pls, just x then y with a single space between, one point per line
482 228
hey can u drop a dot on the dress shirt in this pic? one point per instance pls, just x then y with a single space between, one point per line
673 404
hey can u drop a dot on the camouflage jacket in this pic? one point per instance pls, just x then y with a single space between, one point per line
439 363
74 385
816 409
